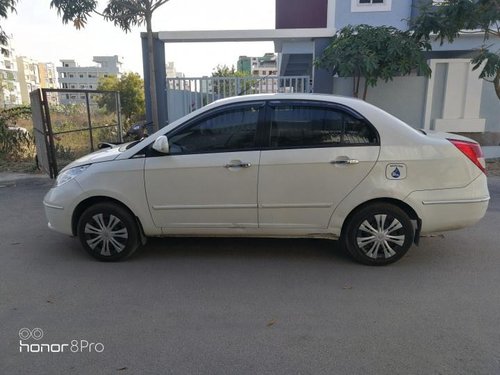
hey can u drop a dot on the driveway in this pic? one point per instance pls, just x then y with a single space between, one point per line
240 306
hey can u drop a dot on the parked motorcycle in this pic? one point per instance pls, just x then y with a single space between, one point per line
136 132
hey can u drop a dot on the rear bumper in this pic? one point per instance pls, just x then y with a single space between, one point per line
448 209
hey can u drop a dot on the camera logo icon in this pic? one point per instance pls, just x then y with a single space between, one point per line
26 333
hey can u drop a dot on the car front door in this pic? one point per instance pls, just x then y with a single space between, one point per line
317 153
209 177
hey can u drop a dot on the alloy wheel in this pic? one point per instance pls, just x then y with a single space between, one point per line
106 234
380 236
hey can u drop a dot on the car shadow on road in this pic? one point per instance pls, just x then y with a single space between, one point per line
292 249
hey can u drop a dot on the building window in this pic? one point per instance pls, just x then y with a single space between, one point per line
71 75
371 5
81 75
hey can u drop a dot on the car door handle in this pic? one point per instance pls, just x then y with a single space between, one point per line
345 161
238 164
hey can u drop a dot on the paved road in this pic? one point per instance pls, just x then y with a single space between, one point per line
226 306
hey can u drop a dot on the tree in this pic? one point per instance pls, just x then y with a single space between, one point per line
373 53
124 14
131 89
6 7
230 87
225 71
448 20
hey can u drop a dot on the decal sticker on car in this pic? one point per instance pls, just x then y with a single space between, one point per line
395 171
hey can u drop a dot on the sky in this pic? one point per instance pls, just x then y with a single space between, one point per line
38 33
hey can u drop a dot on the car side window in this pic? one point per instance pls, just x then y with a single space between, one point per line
234 129
297 125
357 131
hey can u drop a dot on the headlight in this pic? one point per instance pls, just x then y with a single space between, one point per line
70 174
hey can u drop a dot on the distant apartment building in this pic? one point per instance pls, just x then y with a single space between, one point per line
258 66
74 77
172 71
10 90
33 75
244 64
20 75
28 77
265 67
176 84
48 75
48 80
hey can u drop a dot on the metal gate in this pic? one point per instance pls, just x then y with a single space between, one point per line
44 152
70 123
185 95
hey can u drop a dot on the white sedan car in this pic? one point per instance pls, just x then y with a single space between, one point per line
280 165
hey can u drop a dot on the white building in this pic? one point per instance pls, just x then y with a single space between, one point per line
48 75
74 77
176 84
28 77
172 71
10 90
265 66
262 66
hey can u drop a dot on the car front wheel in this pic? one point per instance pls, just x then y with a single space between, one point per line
108 232
378 234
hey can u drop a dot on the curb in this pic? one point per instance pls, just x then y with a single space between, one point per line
6 177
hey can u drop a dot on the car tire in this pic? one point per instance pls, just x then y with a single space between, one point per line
378 234
108 232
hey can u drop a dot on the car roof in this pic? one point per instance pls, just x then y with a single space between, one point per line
383 121
291 96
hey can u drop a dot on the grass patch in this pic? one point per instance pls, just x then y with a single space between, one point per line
18 166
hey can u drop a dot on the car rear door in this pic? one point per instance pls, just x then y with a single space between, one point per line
316 154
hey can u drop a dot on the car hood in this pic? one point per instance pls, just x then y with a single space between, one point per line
100 156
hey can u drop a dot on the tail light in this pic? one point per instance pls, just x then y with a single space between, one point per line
473 151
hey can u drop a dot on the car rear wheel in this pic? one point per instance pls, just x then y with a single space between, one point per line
378 234
108 232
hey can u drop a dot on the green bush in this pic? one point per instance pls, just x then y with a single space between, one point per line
15 143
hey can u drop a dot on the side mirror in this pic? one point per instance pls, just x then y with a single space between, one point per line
161 144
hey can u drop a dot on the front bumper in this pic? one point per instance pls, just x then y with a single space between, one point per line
59 204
